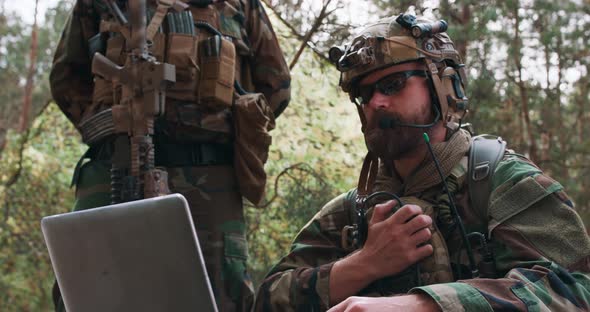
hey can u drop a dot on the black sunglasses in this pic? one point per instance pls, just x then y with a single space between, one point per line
388 85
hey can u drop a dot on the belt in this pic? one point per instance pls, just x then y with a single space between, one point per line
193 154
176 154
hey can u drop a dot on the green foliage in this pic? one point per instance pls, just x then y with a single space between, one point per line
42 159
316 149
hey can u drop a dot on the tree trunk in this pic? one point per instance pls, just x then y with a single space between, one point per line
563 141
524 98
465 19
2 140
28 94
581 118
458 18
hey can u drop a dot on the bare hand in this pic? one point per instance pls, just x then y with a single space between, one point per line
415 302
393 244
396 242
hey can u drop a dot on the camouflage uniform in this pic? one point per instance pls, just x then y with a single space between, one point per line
541 252
529 245
209 182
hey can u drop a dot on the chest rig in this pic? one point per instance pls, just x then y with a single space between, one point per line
148 53
208 118
204 40
469 179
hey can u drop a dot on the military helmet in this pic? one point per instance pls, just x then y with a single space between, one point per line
405 38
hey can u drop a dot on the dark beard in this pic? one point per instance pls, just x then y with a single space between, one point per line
394 143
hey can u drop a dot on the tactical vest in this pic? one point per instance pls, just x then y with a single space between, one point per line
206 43
474 171
208 104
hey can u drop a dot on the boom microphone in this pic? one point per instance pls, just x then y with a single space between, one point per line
391 123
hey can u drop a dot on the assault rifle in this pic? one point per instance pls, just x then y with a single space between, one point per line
143 83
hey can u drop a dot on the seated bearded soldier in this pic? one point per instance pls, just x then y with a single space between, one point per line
440 220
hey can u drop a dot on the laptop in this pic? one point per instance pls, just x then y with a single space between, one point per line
137 256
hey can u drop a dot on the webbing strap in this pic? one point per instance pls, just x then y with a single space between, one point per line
368 175
115 27
156 21
359 108
484 155
161 11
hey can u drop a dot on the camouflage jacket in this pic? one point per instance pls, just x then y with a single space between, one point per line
540 247
262 67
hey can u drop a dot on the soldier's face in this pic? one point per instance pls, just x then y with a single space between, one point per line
400 97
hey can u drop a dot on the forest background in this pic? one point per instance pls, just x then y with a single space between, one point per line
528 62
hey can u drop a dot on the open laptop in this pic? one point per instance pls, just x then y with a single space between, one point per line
137 256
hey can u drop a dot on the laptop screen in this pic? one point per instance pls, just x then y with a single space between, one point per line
137 256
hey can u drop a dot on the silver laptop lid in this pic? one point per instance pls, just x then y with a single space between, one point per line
137 256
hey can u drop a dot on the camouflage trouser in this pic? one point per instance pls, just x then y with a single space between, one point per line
216 208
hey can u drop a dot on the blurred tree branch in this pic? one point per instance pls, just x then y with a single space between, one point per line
316 25
302 167
305 39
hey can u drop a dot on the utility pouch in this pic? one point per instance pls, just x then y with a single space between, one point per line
181 52
217 57
181 22
253 119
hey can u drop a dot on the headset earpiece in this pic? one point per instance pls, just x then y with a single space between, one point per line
454 89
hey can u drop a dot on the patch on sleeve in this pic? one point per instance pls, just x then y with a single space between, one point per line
512 170
514 200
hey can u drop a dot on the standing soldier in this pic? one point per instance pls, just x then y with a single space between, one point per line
459 224
211 136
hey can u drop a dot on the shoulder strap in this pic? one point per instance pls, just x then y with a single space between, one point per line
484 155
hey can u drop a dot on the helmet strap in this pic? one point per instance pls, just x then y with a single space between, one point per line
368 174
362 116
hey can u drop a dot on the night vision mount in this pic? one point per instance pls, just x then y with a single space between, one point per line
421 30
